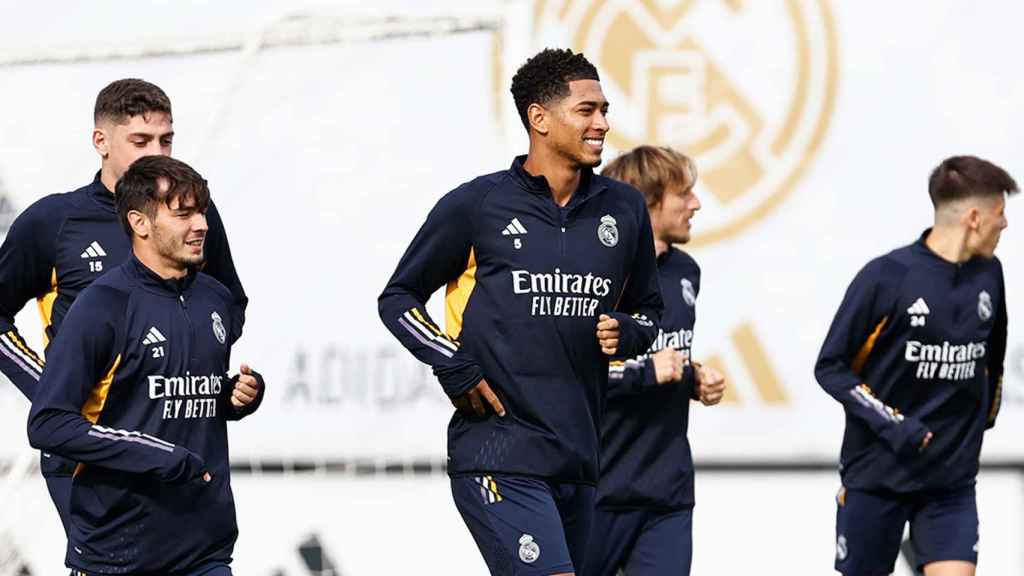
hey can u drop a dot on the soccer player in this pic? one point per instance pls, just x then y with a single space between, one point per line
63 242
136 392
915 355
643 521
550 270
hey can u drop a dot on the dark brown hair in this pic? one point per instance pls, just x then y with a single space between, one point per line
961 177
154 179
122 99
652 169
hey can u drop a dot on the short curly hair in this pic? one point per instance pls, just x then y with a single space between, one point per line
545 78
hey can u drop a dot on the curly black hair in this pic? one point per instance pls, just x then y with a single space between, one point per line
545 78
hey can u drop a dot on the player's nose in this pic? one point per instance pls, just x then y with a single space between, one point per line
199 223
600 121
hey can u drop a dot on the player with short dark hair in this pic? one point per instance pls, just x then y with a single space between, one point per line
915 355
63 242
643 523
538 259
136 392
545 78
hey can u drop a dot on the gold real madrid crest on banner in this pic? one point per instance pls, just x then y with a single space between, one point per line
693 74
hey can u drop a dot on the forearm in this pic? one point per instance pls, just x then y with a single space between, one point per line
70 435
22 366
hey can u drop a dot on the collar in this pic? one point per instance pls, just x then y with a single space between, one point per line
665 256
539 184
921 248
101 195
173 287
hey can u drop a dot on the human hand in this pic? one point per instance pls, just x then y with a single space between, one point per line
710 385
473 401
608 334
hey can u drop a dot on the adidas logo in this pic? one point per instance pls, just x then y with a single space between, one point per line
514 228
918 310
94 251
153 337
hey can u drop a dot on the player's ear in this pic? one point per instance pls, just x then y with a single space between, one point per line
100 142
140 223
971 218
539 118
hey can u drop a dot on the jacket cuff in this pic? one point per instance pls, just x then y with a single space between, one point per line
690 379
459 377
905 437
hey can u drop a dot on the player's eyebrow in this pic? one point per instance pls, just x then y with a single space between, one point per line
149 136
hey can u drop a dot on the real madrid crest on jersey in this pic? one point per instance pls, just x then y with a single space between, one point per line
218 328
529 551
689 294
984 305
607 231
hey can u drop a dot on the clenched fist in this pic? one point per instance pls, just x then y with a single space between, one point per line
668 365
710 385
608 334
247 388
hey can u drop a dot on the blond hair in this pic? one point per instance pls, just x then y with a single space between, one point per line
653 169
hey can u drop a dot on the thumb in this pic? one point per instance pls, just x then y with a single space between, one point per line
603 317
244 369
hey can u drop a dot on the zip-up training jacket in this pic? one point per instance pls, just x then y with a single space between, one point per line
136 391
527 280
53 250
917 346
645 455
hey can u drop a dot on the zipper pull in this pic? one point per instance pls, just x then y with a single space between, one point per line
181 298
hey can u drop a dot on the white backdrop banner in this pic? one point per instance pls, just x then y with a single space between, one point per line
327 137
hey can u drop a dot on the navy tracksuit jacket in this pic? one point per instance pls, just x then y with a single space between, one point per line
136 391
645 455
527 280
53 250
917 346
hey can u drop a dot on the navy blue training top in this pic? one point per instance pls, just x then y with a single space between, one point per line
136 391
527 280
57 247
53 250
917 346
645 454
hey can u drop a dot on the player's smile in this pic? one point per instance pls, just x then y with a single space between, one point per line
196 243
595 143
